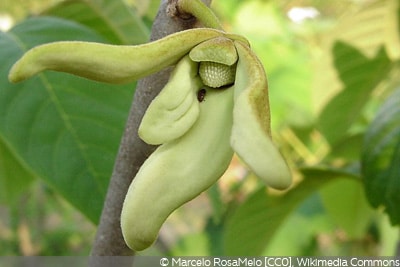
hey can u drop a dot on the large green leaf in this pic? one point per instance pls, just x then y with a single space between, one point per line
370 27
311 218
15 177
113 19
381 158
348 149
347 205
367 28
254 223
360 76
60 127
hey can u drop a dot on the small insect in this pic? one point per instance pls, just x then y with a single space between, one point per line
201 94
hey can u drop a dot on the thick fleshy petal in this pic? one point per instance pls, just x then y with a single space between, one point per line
175 109
219 50
251 137
179 171
109 63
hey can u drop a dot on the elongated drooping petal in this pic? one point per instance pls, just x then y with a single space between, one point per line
175 109
179 171
109 63
251 138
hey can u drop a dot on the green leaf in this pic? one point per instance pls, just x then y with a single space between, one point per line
15 177
346 204
368 28
255 222
371 26
63 128
113 20
215 237
360 76
310 217
348 149
381 158
214 194
195 244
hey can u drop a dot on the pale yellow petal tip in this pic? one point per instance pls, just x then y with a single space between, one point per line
13 77
135 239
139 244
18 74
281 182
274 172
280 176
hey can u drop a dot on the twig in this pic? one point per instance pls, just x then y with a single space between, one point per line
133 151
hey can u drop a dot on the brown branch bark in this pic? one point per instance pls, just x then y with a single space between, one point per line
133 151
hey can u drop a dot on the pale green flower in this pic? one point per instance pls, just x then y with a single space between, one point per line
215 104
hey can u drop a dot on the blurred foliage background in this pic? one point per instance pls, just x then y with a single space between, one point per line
333 77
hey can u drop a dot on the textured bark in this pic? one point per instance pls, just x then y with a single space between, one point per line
133 151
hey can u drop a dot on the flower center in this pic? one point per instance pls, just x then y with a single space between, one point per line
216 74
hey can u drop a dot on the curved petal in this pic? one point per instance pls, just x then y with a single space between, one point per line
251 137
175 109
219 50
109 63
179 171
